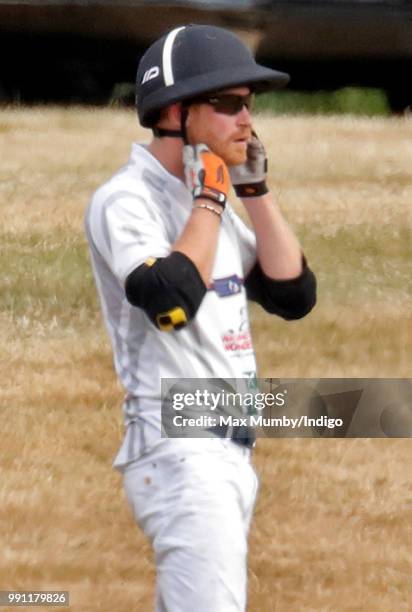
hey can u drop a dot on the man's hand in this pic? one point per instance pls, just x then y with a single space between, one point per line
249 179
206 174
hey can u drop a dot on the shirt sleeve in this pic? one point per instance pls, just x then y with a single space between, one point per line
126 231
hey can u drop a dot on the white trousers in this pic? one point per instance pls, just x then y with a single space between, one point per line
194 500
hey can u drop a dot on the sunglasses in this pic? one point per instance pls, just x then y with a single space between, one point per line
227 104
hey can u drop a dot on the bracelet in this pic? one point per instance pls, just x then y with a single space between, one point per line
207 207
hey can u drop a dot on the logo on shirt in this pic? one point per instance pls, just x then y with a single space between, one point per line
240 339
230 285
237 341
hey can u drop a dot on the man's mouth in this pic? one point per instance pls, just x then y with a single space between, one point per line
244 139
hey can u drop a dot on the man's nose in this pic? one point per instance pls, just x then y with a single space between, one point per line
244 116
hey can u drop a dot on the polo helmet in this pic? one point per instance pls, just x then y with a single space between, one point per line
193 60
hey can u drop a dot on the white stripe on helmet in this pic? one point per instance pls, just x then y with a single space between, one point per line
167 56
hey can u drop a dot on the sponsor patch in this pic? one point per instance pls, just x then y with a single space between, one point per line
230 285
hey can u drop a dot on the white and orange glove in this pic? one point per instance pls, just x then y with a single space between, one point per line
206 174
249 179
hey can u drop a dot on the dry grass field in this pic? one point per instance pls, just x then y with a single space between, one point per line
332 529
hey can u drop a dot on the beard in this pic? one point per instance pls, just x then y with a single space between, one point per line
233 153
230 150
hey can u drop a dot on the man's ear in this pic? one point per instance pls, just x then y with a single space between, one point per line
170 117
176 114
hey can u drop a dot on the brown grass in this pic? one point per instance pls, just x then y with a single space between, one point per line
333 521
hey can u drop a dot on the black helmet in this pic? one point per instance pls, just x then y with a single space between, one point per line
193 60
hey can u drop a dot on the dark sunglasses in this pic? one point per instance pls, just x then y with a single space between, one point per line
228 104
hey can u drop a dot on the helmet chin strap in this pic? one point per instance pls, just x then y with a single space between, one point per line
183 119
163 133
182 133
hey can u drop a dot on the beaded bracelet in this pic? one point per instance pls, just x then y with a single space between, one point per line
207 207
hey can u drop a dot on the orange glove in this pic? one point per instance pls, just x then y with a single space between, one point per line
206 174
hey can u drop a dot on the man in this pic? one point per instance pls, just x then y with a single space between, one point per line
174 266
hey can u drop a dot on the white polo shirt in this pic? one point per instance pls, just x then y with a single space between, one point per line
139 213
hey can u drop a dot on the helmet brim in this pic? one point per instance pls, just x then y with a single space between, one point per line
258 78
